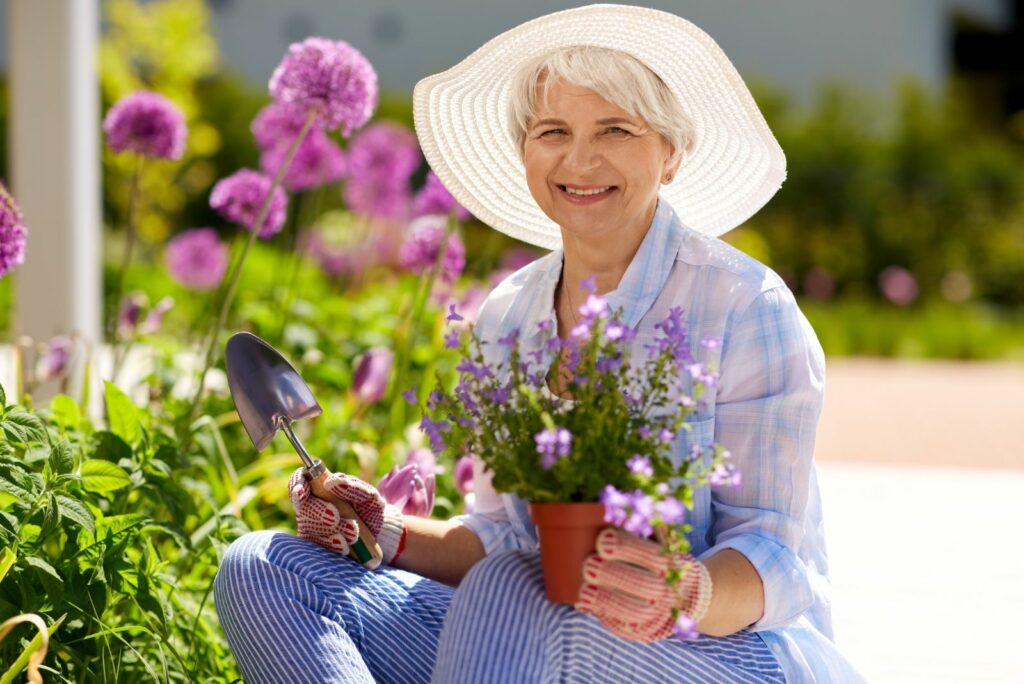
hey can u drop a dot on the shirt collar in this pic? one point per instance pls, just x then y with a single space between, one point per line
637 291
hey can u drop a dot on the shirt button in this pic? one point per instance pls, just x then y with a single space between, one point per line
776 648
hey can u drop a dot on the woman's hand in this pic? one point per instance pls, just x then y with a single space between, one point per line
624 586
320 522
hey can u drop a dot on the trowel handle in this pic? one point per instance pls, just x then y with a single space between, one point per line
365 550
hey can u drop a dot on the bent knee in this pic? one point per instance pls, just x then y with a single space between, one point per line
506 568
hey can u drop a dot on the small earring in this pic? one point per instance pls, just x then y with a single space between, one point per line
668 178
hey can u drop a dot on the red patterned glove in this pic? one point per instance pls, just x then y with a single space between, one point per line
624 586
319 520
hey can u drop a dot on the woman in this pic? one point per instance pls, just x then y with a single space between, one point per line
625 156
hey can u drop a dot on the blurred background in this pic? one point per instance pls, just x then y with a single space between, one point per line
900 228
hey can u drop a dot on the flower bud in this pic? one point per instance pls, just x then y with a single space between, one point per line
464 475
372 375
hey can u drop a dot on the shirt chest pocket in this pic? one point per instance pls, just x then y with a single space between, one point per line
701 434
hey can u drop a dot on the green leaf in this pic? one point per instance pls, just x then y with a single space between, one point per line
51 515
23 427
42 566
103 476
122 413
75 510
176 533
61 460
7 559
111 448
65 411
3 398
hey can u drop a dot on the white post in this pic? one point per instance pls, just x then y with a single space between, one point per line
55 168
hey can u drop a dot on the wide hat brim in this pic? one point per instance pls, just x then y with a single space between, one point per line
461 120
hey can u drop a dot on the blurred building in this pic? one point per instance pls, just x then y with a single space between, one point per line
795 44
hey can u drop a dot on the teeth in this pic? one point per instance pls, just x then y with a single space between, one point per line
595 191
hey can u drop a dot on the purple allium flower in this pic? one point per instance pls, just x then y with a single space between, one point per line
688 401
130 313
425 460
464 474
553 444
616 505
407 489
640 465
516 258
318 161
451 340
819 284
410 395
671 511
452 314
278 124
12 233
685 628
590 284
148 124
372 374
665 435
419 252
380 161
155 317
197 259
898 285
56 359
331 77
434 198
239 197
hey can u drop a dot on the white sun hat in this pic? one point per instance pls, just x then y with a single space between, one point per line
461 120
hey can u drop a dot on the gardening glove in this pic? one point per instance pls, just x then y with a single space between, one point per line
624 586
320 522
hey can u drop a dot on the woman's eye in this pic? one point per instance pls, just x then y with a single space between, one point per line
551 132
617 131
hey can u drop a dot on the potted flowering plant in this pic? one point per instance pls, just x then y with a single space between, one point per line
607 456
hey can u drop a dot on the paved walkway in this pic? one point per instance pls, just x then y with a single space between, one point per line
922 476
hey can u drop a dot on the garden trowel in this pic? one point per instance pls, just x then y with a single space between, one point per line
270 395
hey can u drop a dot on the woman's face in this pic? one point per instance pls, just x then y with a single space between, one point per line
593 168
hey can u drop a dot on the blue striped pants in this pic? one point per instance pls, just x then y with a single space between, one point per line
295 612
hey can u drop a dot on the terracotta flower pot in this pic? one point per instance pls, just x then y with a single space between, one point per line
567 534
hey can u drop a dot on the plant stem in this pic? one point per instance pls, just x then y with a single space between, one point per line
419 304
235 276
112 323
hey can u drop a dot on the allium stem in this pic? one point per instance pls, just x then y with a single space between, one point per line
119 354
419 304
235 276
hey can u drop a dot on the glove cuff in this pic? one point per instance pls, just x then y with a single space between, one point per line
392 534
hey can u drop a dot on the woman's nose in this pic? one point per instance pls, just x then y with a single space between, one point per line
582 156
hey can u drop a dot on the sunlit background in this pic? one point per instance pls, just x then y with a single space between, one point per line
900 228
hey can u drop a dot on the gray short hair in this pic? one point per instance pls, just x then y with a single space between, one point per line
616 76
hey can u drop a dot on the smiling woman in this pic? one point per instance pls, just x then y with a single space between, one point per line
627 157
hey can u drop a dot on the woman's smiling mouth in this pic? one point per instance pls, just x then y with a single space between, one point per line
586 194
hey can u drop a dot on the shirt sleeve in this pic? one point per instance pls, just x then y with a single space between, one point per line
490 520
769 398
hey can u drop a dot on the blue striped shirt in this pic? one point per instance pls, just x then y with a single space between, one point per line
765 411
